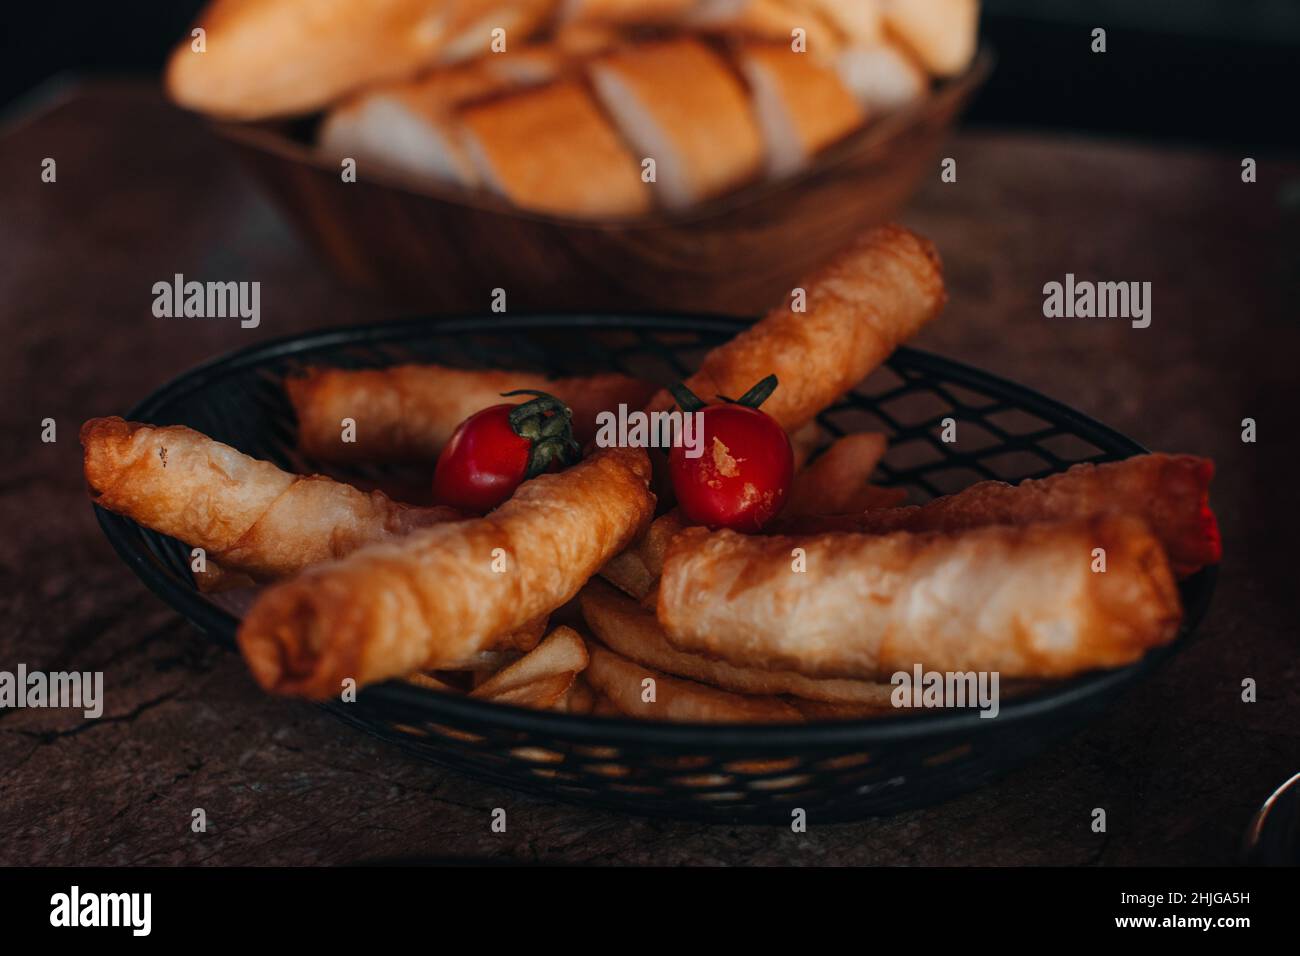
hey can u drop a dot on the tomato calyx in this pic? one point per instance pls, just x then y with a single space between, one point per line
546 423
688 401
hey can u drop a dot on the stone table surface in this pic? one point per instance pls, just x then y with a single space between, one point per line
143 192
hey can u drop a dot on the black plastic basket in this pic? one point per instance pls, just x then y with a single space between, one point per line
832 770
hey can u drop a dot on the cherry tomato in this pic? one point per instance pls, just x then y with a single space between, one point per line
743 477
484 462
495 450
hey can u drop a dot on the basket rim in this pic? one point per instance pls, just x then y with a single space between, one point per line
218 624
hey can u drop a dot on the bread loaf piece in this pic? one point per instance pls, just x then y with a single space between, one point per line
551 150
678 103
882 77
801 103
625 12
409 129
940 33
775 20
264 58
858 22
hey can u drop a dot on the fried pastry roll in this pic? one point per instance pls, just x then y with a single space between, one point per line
247 515
627 628
836 481
636 571
804 442
623 682
813 710
1022 601
444 593
864 303
541 677
1171 492
408 412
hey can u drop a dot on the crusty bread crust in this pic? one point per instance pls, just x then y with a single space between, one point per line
680 104
267 58
551 150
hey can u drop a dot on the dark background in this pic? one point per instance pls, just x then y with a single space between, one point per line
1211 71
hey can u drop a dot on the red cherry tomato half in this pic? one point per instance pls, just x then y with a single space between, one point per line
742 479
483 464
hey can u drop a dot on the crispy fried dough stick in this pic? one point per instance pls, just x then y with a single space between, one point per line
442 593
877 496
866 301
248 515
804 441
814 710
545 693
562 652
872 296
408 412
837 478
1171 492
676 699
637 570
1024 601
579 699
631 630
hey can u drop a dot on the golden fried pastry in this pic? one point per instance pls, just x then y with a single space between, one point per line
861 305
626 627
1023 601
1170 492
623 682
408 412
248 515
445 593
